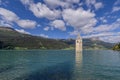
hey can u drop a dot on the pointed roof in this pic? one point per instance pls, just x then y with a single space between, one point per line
79 37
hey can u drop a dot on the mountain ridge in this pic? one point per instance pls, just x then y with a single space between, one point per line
11 39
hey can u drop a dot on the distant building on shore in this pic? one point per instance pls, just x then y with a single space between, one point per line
78 43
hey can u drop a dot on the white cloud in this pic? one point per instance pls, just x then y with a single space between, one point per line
73 1
63 3
10 17
27 23
118 20
46 28
55 3
43 35
116 6
26 2
117 2
94 3
80 19
104 34
41 10
103 28
88 2
103 19
73 33
98 5
108 27
59 24
5 24
22 31
111 39
115 9
38 25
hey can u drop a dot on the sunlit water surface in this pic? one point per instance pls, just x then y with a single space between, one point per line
60 65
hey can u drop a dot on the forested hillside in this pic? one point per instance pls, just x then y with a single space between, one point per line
11 39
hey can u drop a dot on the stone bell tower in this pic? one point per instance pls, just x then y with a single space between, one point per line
78 44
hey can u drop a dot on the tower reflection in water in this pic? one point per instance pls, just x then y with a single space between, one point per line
78 59
78 66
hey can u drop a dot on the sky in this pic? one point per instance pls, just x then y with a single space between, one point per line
63 19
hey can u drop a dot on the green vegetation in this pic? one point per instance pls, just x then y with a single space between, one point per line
117 47
20 48
70 48
11 39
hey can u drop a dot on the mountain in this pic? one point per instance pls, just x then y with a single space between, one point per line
117 47
11 39
91 43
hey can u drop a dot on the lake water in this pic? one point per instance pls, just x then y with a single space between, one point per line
60 65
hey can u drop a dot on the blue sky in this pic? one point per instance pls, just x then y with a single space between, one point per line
63 18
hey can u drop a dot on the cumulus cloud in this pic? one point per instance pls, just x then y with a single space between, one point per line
98 5
60 3
62 13
103 28
104 34
108 27
59 24
10 17
26 23
41 10
26 2
116 6
73 33
115 9
4 23
43 35
73 1
46 28
94 3
79 19
111 39
56 3
117 2
22 31
103 19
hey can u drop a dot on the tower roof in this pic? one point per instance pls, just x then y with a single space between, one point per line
78 36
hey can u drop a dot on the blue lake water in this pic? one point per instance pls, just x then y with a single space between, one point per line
60 65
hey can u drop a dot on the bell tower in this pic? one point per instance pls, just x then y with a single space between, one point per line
78 43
